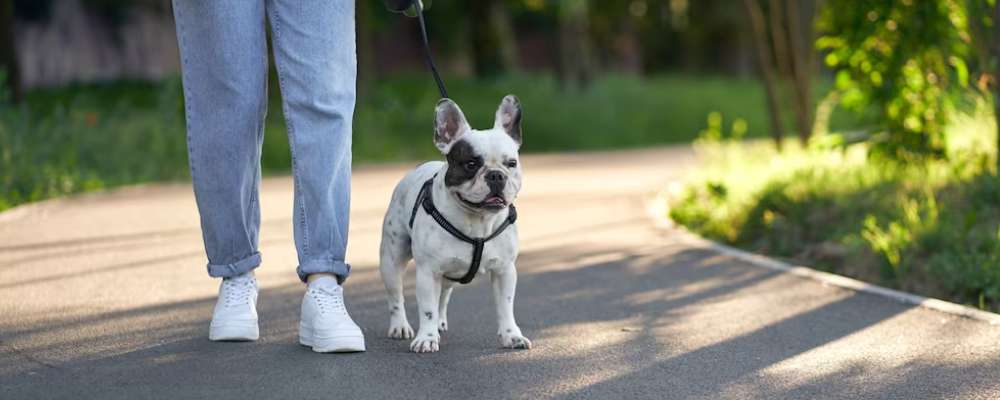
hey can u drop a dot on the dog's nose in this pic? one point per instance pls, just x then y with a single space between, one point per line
496 181
495 177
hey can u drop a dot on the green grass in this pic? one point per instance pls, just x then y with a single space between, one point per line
931 228
87 137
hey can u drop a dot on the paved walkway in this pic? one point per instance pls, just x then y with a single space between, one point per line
105 296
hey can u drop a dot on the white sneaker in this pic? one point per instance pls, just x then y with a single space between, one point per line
235 316
325 325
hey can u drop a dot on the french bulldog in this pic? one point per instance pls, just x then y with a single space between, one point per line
473 191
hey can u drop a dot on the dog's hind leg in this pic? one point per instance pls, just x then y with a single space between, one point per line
446 288
392 264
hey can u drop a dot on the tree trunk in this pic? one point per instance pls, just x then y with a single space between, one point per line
801 57
504 31
494 51
995 53
628 47
756 19
779 39
365 48
8 51
576 64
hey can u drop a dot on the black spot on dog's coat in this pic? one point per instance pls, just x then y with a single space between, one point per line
429 315
461 153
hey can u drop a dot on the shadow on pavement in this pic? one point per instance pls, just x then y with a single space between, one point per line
619 327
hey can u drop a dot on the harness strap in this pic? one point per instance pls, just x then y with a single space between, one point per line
426 201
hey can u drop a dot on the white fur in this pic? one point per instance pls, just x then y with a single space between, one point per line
436 253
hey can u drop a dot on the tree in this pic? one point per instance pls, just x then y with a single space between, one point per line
8 51
790 31
984 16
576 55
764 56
902 59
493 46
801 60
364 31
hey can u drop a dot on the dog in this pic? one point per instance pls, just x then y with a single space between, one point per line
472 192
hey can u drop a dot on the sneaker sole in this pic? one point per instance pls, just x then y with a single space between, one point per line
231 333
337 344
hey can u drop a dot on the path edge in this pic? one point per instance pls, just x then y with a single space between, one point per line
658 209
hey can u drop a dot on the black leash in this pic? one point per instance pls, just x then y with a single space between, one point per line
425 199
427 50
415 8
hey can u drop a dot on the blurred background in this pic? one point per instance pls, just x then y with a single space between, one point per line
856 135
97 94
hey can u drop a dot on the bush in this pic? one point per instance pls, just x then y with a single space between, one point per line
73 148
929 227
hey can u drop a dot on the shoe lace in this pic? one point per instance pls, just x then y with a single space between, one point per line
237 292
329 300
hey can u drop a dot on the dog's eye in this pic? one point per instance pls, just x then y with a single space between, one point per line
511 164
471 165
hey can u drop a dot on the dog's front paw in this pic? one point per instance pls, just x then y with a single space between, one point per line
426 343
512 339
400 330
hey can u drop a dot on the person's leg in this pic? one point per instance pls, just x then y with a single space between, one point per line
224 67
223 51
314 54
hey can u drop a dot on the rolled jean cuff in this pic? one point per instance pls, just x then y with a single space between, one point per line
338 268
233 269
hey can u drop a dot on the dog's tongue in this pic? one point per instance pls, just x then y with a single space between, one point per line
494 200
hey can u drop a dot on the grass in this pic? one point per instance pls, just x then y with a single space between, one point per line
87 137
931 227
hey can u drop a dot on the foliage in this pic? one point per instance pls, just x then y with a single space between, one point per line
929 227
71 148
87 137
903 58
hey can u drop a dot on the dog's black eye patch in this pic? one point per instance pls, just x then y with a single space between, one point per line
463 164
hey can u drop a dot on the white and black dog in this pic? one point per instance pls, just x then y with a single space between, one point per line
452 217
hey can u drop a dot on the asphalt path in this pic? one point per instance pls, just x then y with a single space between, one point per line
106 296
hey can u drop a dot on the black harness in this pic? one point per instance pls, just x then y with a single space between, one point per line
425 199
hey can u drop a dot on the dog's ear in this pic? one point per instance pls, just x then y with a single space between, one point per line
449 124
509 117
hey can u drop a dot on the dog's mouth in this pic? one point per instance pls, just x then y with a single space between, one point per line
492 202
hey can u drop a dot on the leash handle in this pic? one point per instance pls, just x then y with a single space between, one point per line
427 50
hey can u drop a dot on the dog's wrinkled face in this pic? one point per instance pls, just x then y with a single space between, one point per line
484 172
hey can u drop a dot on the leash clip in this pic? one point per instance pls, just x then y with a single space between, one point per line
408 8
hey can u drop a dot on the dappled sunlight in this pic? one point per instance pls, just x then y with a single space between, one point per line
884 348
609 349
612 304
70 337
602 336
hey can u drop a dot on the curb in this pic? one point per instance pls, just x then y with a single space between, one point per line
657 209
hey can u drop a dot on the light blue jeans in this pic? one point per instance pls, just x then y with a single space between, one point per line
224 65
